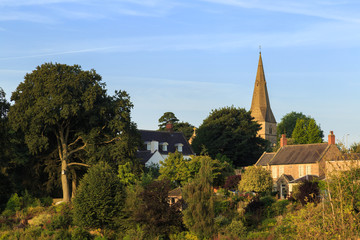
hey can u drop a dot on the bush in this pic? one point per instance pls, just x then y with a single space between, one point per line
236 230
80 234
99 199
232 182
308 191
14 203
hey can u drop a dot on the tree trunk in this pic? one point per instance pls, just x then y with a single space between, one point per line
73 184
65 181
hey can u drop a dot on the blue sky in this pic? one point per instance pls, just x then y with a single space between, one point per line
190 57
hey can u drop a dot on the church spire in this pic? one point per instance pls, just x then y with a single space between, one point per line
260 105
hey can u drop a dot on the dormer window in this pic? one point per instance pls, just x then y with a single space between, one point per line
164 146
179 147
147 145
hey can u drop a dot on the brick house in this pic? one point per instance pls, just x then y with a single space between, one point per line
293 162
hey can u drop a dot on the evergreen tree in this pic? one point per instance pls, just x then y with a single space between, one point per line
288 122
100 198
307 131
198 195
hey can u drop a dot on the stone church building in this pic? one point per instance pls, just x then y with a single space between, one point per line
260 106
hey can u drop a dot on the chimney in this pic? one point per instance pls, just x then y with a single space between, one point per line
169 126
331 139
283 140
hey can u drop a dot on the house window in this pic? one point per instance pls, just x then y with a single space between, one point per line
274 171
281 170
148 145
179 147
308 169
301 171
164 146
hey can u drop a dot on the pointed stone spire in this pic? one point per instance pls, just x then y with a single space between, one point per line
260 106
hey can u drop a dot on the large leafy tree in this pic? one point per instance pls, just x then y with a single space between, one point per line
231 132
307 131
65 110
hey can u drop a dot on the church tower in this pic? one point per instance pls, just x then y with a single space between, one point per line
260 106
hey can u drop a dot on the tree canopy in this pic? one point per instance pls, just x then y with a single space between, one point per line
63 109
231 132
184 127
256 179
307 131
288 122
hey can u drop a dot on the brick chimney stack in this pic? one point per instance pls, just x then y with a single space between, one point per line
331 139
169 126
283 140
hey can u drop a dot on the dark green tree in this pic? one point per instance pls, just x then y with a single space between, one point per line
231 132
198 196
65 110
186 128
288 122
165 118
100 198
307 131
154 212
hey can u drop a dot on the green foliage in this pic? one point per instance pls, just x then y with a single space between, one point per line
126 175
154 212
165 118
179 170
308 191
175 168
256 179
307 131
14 204
99 199
80 234
288 122
65 110
198 195
231 132
236 230
184 127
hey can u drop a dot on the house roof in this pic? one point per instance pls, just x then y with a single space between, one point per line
304 178
260 105
171 138
144 156
175 192
299 154
265 159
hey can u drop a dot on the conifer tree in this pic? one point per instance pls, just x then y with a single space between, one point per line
198 195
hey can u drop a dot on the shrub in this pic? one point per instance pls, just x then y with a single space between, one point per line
256 179
14 203
308 191
236 230
99 199
232 182
80 234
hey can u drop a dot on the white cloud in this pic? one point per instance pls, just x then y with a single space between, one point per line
319 9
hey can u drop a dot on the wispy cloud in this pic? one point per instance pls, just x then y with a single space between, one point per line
321 9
